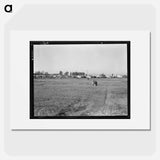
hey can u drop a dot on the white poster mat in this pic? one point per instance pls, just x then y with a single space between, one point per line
20 85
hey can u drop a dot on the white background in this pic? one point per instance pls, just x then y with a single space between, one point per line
86 145
140 80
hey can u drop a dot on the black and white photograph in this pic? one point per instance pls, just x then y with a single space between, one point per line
80 80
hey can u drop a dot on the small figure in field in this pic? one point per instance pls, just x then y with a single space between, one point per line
94 83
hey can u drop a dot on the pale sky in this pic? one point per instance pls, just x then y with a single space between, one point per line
88 58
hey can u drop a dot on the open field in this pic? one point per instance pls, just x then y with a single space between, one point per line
77 97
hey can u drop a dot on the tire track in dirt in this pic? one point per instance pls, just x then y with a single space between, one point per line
105 96
106 103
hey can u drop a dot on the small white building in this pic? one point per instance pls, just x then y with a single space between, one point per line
119 76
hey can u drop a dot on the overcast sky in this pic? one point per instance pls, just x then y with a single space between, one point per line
88 58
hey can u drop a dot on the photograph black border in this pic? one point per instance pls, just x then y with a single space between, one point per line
31 47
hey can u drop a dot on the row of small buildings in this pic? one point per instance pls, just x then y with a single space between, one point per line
77 75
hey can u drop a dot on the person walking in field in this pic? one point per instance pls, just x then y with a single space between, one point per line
94 83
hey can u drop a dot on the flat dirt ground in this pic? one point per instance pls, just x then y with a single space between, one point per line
77 97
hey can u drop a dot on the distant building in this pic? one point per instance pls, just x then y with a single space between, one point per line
88 76
55 75
102 76
77 74
119 76
113 76
39 76
124 76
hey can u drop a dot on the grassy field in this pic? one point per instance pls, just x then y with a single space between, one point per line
77 97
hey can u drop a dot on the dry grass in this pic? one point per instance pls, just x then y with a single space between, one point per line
77 97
